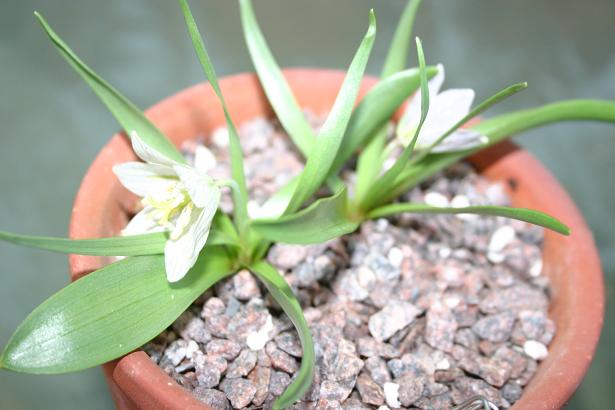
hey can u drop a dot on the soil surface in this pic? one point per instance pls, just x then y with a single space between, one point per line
408 312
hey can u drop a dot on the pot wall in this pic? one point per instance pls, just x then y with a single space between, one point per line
102 208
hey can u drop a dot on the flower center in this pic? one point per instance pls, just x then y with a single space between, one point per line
168 204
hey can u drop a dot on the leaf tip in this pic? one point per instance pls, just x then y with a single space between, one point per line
372 22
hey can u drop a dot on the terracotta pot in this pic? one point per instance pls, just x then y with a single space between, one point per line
572 263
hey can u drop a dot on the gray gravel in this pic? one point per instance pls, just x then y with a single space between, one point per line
414 311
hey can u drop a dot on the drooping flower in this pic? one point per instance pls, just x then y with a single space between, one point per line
177 198
445 110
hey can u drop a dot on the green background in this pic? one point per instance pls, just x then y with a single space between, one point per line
53 126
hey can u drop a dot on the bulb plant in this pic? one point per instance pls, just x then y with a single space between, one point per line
181 243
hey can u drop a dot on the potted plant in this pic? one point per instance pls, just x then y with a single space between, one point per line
178 242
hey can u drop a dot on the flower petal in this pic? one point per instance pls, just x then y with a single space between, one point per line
412 115
142 223
460 140
446 109
204 159
181 254
144 179
199 185
147 153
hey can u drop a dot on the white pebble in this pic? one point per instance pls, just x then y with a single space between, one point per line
503 236
461 201
396 256
443 364
445 252
536 268
220 137
192 347
496 257
436 199
391 394
535 350
452 302
257 340
384 408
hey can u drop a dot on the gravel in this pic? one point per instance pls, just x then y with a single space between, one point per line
415 311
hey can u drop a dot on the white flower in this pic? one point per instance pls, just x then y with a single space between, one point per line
177 198
445 110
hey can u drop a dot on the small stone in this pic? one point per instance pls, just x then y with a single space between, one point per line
289 342
395 256
245 286
243 364
440 327
339 391
176 352
220 137
190 327
378 370
494 371
393 317
501 238
211 397
278 382
222 347
260 377
410 390
391 394
533 323
515 298
468 387
517 361
467 338
436 199
257 340
512 392
535 350
286 256
495 328
240 392
213 307
370 391
208 377
281 360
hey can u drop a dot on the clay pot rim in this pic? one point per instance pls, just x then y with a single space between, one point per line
134 373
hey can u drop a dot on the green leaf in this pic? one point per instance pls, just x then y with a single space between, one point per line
148 244
125 112
283 294
325 150
503 126
375 110
521 214
371 159
107 314
384 183
325 219
397 55
276 88
240 195
479 109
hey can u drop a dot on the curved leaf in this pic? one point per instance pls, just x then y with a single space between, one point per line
325 150
283 294
370 161
125 112
503 126
325 219
107 314
240 195
521 214
274 84
136 245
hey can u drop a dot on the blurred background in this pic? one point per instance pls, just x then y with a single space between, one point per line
53 125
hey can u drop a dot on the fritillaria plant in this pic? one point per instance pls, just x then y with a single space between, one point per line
181 243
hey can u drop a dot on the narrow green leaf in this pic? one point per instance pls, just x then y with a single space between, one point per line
325 219
276 88
283 294
521 214
375 110
371 159
125 112
108 313
148 244
240 196
479 109
503 126
329 139
385 183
